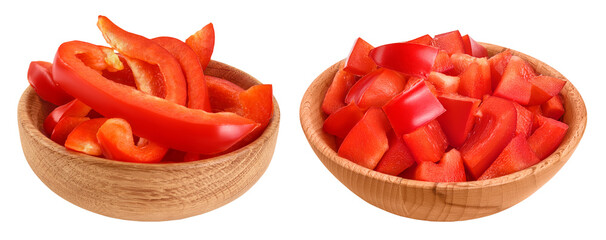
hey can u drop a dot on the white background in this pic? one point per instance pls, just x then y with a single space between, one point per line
287 44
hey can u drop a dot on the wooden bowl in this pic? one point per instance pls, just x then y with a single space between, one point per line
441 201
145 192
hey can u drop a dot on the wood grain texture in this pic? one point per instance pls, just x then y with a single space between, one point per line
441 201
145 192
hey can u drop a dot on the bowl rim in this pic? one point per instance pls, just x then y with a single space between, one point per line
35 132
569 143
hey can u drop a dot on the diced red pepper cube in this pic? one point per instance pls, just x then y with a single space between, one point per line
442 63
516 156
473 48
474 75
544 88
459 117
546 139
335 95
515 84
343 120
367 141
427 143
397 158
498 63
449 169
443 83
495 127
553 108
525 120
407 58
452 42
375 88
358 62
412 109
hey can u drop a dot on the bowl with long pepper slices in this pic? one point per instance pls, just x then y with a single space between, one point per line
442 128
146 129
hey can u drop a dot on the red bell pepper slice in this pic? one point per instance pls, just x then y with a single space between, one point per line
474 75
75 108
473 48
515 84
203 44
255 103
443 83
375 88
40 78
407 58
84 137
147 77
156 119
64 127
546 139
427 143
516 156
498 63
197 92
335 95
544 88
358 62
367 141
451 42
397 158
115 137
525 120
449 169
343 120
412 109
223 94
143 49
493 130
459 117
553 108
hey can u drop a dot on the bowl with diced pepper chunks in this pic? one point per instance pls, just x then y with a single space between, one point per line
442 128
146 129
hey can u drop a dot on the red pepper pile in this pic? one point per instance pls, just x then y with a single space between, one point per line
154 88
438 109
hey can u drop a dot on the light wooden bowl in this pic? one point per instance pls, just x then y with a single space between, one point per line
441 201
145 192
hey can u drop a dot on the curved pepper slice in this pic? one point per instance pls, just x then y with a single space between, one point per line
197 92
84 137
74 108
408 58
153 118
141 48
40 78
116 139
203 43
64 127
